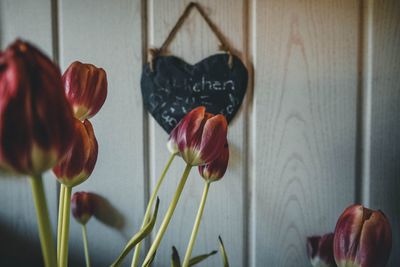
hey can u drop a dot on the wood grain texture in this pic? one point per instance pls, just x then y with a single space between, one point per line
108 34
225 205
385 117
31 21
305 122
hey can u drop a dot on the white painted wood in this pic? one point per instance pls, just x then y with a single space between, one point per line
385 116
305 121
302 130
225 205
108 34
31 21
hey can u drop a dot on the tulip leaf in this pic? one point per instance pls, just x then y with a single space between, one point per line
223 252
175 259
197 259
139 236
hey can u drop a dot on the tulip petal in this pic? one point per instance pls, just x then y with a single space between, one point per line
213 138
375 241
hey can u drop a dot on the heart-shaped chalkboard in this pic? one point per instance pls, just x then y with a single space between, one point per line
174 87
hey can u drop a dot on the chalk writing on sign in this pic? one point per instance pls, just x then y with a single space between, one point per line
174 87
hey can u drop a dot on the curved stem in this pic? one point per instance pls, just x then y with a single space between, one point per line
147 214
196 225
60 220
85 245
168 216
42 214
65 227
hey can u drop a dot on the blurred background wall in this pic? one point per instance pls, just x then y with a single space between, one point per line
319 128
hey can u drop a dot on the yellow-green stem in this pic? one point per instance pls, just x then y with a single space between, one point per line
196 225
60 218
65 227
85 245
43 220
168 216
147 214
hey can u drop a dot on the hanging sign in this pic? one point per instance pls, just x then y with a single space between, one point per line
171 87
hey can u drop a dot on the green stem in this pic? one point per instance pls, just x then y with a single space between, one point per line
196 225
167 217
44 225
147 214
60 220
85 245
65 227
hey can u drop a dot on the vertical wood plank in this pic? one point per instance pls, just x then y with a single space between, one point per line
19 244
385 116
305 121
108 34
225 205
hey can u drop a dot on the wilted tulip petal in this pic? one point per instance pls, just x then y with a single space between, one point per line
36 121
86 88
363 238
200 136
80 160
216 169
82 206
320 251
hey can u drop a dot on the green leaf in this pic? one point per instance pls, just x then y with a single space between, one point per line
223 252
175 259
197 259
139 236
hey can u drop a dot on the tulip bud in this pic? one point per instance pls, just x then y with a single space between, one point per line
82 206
363 238
215 170
320 250
200 136
80 160
86 89
36 121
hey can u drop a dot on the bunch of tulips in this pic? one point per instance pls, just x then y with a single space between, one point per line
362 238
44 124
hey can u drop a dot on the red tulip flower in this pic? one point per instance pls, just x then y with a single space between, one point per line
82 206
215 170
320 250
200 136
80 160
86 89
363 238
36 121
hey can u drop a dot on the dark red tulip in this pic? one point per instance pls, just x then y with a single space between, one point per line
80 160
36 121
216 169
82 206
86 89
363 238
320 250
200 136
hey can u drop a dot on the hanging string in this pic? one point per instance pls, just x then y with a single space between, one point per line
224 46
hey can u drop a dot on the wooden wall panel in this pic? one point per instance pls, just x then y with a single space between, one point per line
225 205
108 34
385 116
31 21
316 76
305 99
